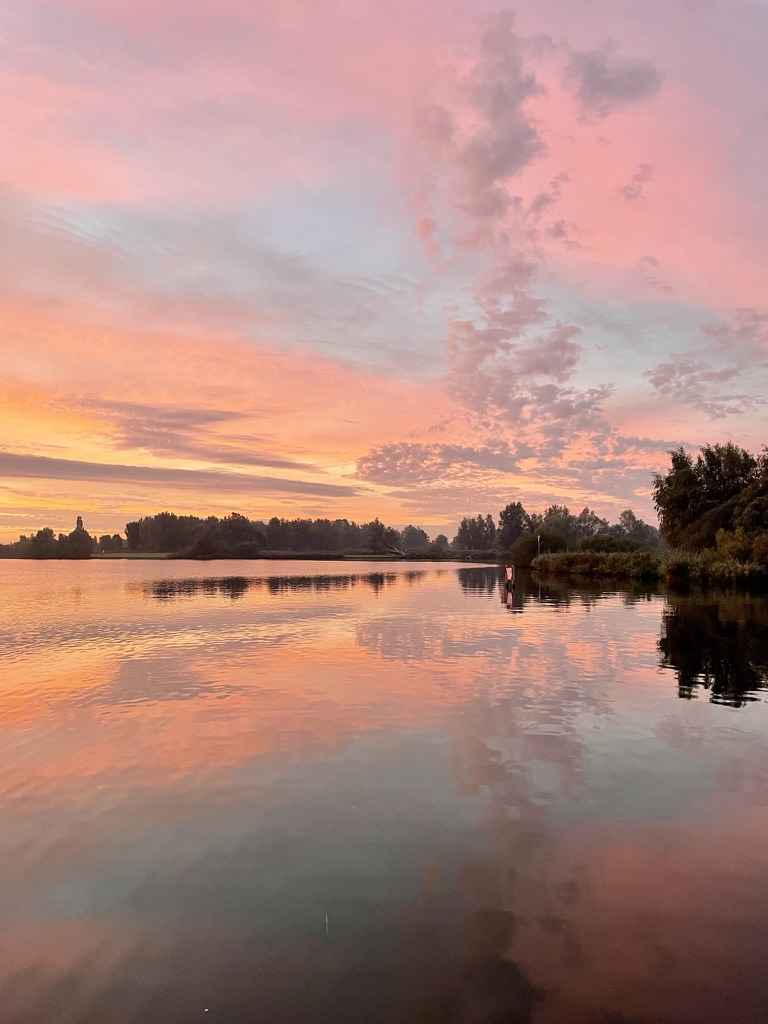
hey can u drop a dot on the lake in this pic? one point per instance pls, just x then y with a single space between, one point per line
306 791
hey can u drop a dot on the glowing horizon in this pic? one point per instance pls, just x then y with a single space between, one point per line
343 260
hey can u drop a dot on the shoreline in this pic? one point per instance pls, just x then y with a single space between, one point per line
163 556
674 568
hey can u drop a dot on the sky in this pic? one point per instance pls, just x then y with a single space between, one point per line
336 258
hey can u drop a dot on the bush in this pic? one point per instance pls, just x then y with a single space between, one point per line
760 549
734 544
642 565
712 567
678 565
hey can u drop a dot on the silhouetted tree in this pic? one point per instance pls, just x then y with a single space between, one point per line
513 522
413 538
77 544
520 534
43 544
110 543
696 498
478 534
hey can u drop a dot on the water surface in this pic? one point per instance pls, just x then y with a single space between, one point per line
360 792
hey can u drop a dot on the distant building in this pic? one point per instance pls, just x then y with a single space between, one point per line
79 525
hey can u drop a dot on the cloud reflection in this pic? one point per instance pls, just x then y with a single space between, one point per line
485 806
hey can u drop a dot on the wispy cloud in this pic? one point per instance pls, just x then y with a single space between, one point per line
14 466
178 432
605 80
634 189
691 381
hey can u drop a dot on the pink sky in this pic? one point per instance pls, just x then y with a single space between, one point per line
356 259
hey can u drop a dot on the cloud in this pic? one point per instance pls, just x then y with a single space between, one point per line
498 88
13 465
173 431
407 462
561 231
509 367
738 341
692 381
489 136
616 468
543 203
548 197
634 189
744 335
182 270
604 80
555 354
502 373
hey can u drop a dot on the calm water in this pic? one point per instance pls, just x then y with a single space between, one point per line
279 792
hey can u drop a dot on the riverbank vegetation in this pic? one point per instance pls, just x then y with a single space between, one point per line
519 536
675 566
713 515
641 565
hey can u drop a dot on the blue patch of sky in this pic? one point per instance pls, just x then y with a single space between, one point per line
328 267
621 338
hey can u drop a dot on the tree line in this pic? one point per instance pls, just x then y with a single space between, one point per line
237 535
516 533
520 535
47 544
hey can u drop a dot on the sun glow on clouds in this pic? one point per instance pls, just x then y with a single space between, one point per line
342 260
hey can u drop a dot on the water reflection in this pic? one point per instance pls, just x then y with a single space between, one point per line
235 586
418 808
481 580
530 588
230 586
717 643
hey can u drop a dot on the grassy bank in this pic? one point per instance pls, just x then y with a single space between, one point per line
707 567
639 565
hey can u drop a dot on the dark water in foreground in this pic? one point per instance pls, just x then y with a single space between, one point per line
374 793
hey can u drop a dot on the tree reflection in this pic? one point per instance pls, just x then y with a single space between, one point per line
552 590
718 643
481 580
230 586
235 586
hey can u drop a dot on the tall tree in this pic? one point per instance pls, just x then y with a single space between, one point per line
677 495
513 521
413 538
690 491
